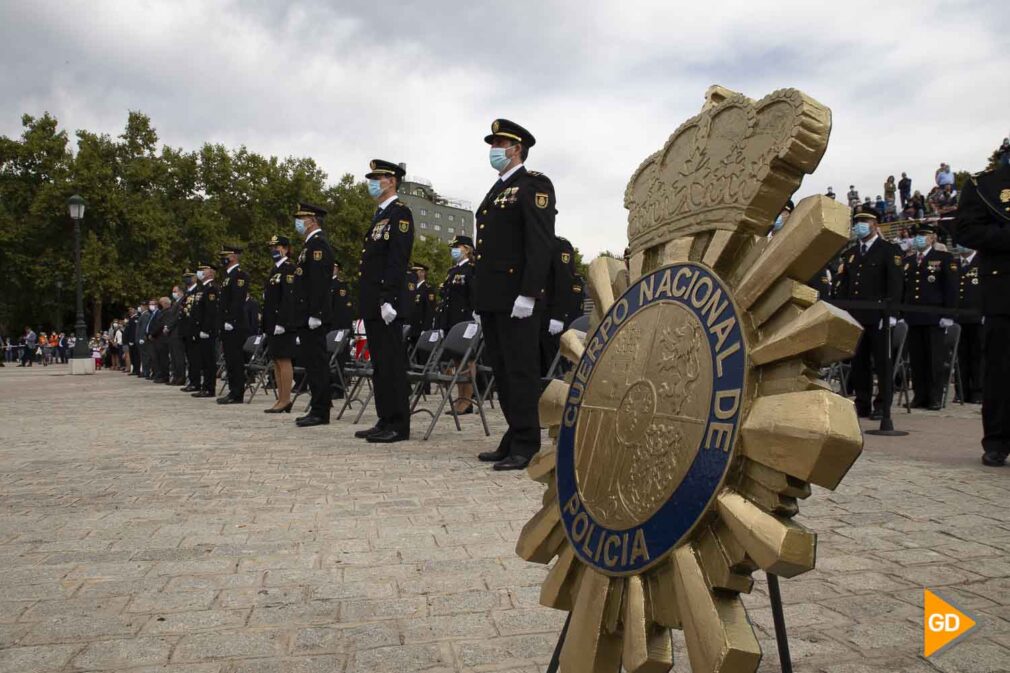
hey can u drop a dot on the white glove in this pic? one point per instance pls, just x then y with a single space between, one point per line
946 322
203 335
476 317
314 323
298 341
441 334
142 341
387 312
523 307
228 327
278 330
555 327
894 321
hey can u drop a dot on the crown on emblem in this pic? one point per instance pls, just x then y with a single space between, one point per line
733 166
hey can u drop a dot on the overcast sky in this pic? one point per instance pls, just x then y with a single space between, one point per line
600 84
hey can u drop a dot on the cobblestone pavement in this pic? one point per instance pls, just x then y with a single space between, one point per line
143 530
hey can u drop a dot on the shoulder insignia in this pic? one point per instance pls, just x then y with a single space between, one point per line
897 260
241 282
578 288
291 277
317 255
541 200
227 281
298 271
1004 195
404 226
953 266
385 236
534 173
410 286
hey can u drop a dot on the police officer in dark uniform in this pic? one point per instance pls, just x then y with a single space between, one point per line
234 327
187 332
278 321
515 237
559 302
343 311
383 301
314 310
969 348
983 224
870 271
455 305
931 279
205 325
424 301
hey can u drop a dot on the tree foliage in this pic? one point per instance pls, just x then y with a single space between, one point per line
152 212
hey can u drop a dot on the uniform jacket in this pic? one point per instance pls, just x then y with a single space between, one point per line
343 312
423 313
172 316
130 333
188 302
875 276
205 313
562 288
251 316
515 237
983 224
931 281
234 290
313 274
455 303
156 325
279 303
385 255
969 291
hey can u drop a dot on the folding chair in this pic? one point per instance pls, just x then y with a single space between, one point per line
457 350
950 342
337 342
259 366
359 371
219 374
428 345
899 364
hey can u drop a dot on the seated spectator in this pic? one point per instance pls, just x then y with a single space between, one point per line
880 206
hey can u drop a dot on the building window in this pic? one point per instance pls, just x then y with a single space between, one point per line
438 227
438 215
424 225
451 230
452 217
423 237
424 211
418 192
462 222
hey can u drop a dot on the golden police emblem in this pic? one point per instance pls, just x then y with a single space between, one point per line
1004 195
541 199
693 420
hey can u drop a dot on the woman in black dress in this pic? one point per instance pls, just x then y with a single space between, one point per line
456 306
278 312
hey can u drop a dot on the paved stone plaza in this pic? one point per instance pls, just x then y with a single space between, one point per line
143 530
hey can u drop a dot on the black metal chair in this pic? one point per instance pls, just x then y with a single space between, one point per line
259 366
453 357
358 372
899 363
950 342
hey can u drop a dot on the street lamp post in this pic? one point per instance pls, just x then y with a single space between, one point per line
81 361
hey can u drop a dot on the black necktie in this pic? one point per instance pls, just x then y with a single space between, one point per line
863 252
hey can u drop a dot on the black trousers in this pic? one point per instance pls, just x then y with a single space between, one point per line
160 361
389 362
871 358
969 357
995 392
315 359
193 360
513 351
925 354
208 363
147 358
135 359
177 351
234 363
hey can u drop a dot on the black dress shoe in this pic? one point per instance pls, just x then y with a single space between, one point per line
935 407
309 421
512 463
203 393
388 437
286 409
189 389
993 459
492 456
177 382
974 400
227 399
365 434
876 415
918 404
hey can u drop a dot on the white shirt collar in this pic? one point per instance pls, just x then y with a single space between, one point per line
868 244
382 206
233 266
969 258
188 289
508 174
463 260
312 234
281 261
207 281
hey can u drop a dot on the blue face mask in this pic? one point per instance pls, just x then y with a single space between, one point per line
276 254
300 226
199 274
498 158
457 254
778 223
374 188
920 242
862 229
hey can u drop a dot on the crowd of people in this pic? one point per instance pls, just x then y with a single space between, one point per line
518 283
899 202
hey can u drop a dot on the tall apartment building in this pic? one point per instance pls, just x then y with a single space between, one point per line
435 216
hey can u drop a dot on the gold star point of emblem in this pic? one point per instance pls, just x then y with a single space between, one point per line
693 421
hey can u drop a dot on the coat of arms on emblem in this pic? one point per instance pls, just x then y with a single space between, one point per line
541 199
692 422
